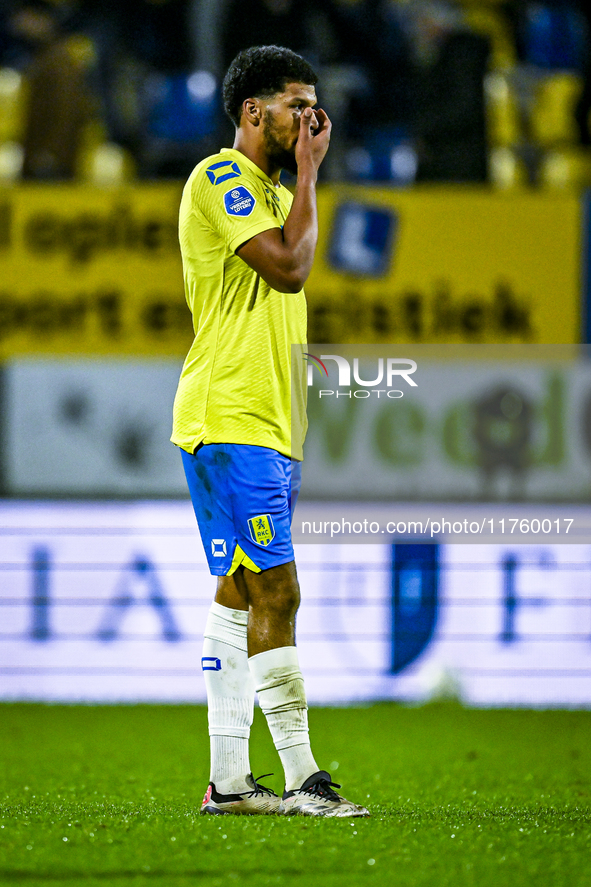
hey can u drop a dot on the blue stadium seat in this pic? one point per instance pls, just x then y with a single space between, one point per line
183 108
182 115
386 155
554 37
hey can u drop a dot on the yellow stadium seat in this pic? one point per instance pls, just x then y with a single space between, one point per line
552 113
506 169
102 162
566 168
11 161
502 110
82 51
105 164
12 105
489 23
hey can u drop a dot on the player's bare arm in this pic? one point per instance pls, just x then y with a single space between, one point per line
283 257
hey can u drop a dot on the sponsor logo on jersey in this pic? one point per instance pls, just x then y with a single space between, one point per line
222 171
261 529
239 201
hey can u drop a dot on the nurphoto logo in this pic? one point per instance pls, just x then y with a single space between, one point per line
389 371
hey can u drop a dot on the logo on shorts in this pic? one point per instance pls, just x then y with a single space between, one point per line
218 547
261 529
239 201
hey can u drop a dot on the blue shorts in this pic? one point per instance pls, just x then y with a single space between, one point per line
243 497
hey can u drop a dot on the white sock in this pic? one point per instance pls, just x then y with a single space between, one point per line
280 687
230 696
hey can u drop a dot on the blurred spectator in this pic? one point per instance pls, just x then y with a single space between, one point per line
261 22
144 51
371 35
359 45
7 40
307 27
16 51
157 33
60 103
583 111
449 109
391 72
366 85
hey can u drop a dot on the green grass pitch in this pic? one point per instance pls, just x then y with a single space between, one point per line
108 795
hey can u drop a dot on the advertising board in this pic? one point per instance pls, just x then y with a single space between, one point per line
90 271
108 601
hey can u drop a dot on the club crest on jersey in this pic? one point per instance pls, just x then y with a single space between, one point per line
239 201
222 171
261 529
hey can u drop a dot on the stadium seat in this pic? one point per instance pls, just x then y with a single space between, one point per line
182 109
502 110
106 164
182 117
11 161
387 154
553 36
12 102
566 168
506 169
488 22
552 113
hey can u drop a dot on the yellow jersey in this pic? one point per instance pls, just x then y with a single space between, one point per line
236 385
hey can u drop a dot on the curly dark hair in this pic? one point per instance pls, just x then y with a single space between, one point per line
262 72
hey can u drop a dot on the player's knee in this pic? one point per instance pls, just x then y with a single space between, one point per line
287 598
283 601
276 591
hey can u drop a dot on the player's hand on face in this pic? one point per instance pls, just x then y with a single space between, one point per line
313 137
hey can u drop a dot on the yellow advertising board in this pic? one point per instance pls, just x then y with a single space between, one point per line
444 264
91 271
86 271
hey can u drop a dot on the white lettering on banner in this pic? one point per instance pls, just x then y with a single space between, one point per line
108 602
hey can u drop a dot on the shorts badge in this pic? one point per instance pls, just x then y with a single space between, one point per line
261 529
